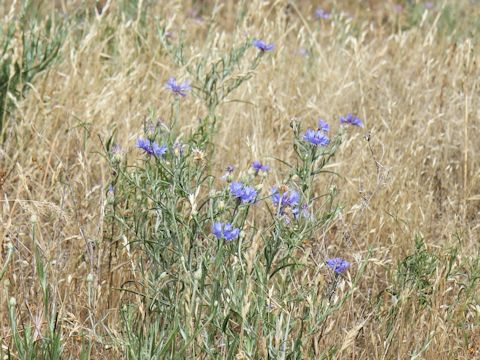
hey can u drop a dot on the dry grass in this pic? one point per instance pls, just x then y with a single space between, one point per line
417 91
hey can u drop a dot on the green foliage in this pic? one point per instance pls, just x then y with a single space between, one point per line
417 269
36 341
28 46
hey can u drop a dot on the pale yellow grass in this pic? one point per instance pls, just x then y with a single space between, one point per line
417 93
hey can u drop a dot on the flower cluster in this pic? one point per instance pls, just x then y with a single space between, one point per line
262 46
338 265
284 200
151 147
257 166
225 231
178 89
351 120
246 194
319 136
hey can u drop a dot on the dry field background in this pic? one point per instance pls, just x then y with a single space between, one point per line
413 170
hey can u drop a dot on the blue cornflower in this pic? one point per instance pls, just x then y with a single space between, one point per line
287 199
151 147
351 119
229 169
249 194
322 14
236 189
258 166
246 194
322 125
317 137
338 265
217 230
262 46
159 150
178 89
225 231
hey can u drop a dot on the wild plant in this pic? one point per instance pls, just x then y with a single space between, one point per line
209 273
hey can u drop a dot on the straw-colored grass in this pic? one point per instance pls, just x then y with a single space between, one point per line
413 169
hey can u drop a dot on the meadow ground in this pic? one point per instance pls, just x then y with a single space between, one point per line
108 251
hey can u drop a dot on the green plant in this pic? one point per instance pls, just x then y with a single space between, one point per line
28 46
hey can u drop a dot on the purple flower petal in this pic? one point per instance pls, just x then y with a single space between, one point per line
338 265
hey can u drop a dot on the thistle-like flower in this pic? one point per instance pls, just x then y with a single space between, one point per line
198 155
322 125
316 137
262 46
246 194
117 153
178 89
151 147
285 201
225 231
338 265
257 166
351 120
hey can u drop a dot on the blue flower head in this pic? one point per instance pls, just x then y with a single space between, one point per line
249 195
230 233
351 120
236 189
285 200
225 231
151 147
159 150
178 89
258 166
338 265
217 230
322 14
322 125
316 137
262 46
246 194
